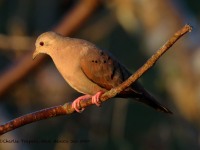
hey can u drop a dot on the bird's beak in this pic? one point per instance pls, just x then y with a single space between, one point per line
35 54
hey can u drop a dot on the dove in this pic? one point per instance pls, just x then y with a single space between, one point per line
90 70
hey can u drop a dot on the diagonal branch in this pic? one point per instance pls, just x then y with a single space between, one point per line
67 107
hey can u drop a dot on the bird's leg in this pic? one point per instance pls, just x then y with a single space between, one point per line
95 98
76 102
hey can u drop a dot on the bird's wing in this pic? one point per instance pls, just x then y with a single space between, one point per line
103 70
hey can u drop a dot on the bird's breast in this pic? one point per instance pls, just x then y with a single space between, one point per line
78 81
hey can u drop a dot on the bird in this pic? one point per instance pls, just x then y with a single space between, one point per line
90 70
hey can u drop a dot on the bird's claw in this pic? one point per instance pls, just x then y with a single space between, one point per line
76 103
95 98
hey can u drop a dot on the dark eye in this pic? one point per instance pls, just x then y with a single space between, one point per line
41 43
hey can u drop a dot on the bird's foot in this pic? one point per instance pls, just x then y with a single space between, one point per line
76 102
95 98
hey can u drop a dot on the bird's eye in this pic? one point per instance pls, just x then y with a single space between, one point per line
41 43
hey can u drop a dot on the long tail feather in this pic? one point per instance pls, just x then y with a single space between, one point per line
151 101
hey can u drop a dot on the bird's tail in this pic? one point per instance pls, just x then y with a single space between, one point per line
152 102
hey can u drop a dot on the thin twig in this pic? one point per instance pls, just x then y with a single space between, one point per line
15 43
67 107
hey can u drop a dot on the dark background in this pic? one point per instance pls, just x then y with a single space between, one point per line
132 31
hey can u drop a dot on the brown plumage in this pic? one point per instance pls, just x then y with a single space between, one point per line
90 70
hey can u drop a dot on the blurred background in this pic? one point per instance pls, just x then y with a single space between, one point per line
132 31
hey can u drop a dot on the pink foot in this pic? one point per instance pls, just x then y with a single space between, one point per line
95 98
76 102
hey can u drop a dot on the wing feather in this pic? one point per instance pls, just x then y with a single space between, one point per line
100 68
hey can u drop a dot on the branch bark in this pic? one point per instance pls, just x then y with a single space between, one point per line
67 107
68 25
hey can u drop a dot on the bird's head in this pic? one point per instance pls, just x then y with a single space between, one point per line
45 43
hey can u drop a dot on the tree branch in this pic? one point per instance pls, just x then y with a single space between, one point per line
67 107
